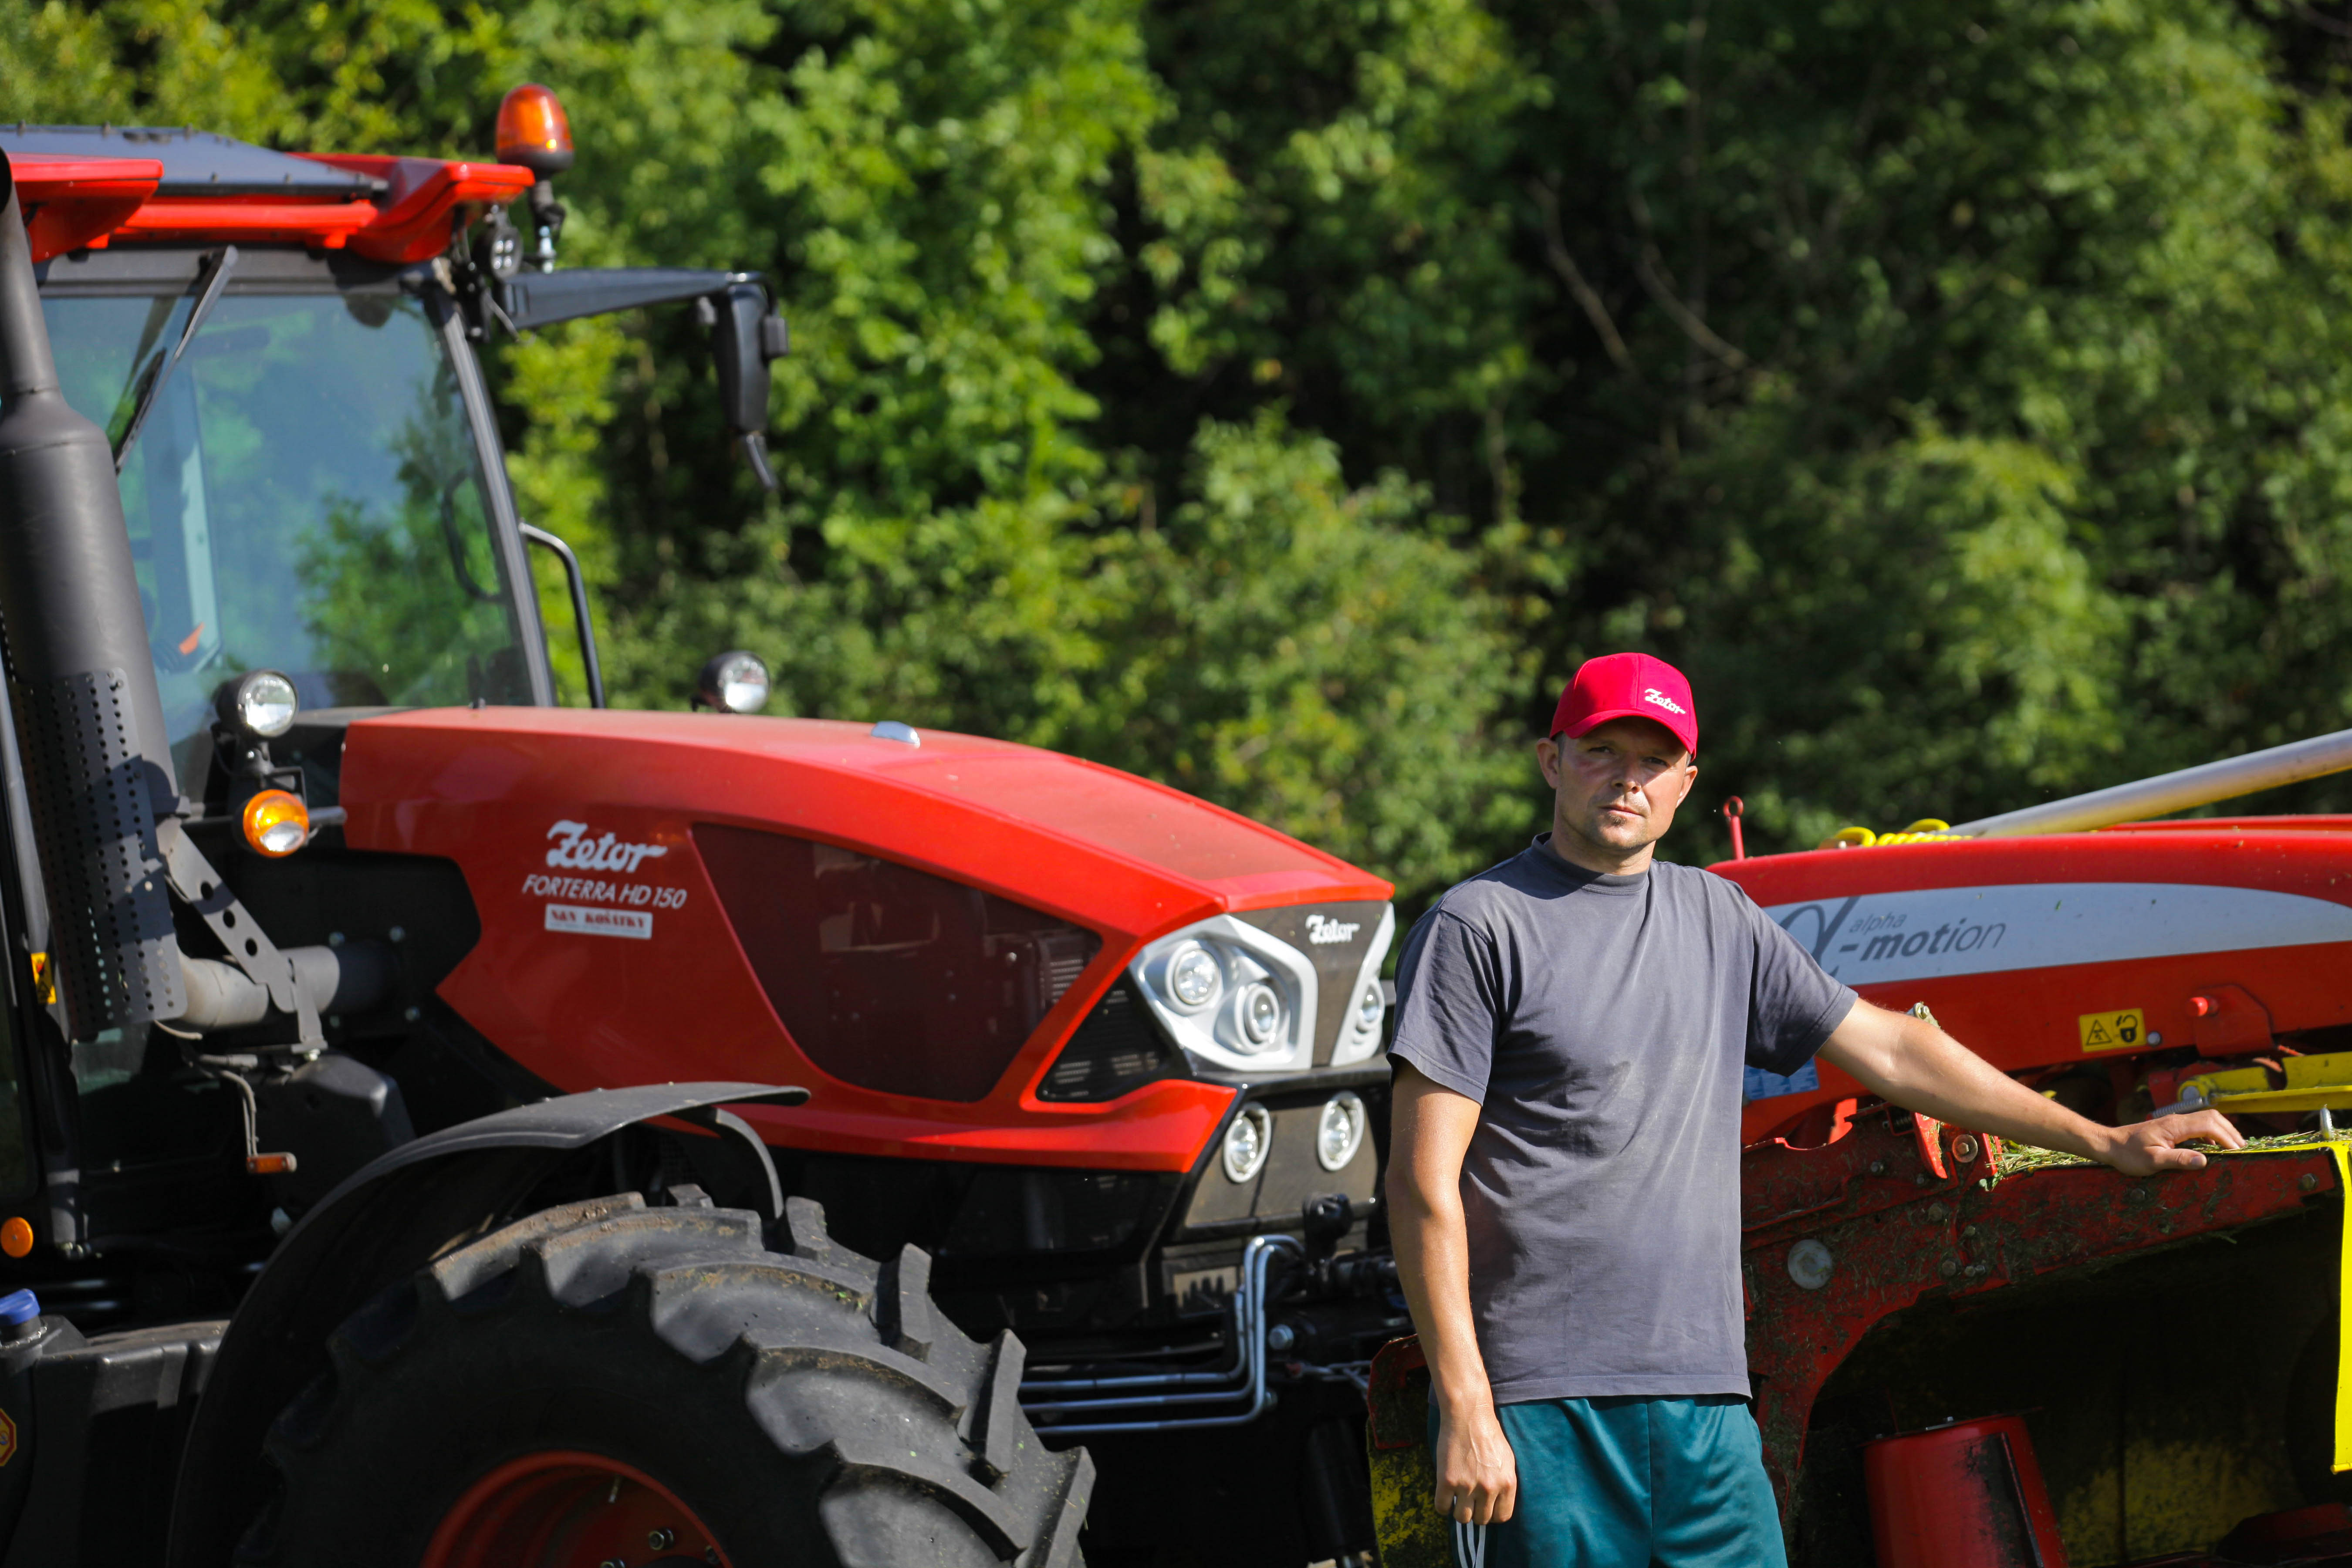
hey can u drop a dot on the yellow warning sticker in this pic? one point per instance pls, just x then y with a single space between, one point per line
2112 1031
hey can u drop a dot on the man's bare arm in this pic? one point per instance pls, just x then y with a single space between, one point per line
1916 1066
1429 1131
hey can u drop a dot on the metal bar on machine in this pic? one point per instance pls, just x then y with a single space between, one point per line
2168 793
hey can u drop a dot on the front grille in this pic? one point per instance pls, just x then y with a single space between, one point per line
1064 956
1009 1211
889 977
1116 1049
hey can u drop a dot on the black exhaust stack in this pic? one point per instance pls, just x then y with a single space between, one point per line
89 720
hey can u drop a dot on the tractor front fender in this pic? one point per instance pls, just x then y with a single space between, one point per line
380 1225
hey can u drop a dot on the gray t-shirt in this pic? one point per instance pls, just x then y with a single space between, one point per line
1602 1024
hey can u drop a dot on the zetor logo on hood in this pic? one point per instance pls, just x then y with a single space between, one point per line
577 851
1323 930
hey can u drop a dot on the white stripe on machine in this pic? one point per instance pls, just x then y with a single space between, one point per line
1924 933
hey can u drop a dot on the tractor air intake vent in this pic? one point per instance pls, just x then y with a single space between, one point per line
94 819
886 976
1116 1049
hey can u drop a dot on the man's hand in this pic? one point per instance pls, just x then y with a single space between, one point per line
2144 1148
1914 1065
1478 1474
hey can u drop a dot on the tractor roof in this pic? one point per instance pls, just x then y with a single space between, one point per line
197 163
96 185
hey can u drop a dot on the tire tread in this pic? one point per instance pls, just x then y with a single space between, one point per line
915 1431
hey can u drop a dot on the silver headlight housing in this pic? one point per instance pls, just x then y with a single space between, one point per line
1361 1025
1231 995
1238 997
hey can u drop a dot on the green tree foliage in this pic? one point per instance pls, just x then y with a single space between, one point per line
1280 400
1953 391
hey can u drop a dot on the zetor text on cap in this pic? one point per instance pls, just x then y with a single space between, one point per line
1628 686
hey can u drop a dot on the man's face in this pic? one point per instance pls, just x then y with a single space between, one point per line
1615 788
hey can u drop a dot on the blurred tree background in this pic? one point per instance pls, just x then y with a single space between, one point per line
1280 401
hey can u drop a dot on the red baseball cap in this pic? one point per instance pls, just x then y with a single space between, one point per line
1628 686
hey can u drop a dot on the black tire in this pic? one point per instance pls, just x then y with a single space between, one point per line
810 1407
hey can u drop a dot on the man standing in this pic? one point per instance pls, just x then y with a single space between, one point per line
1564 1170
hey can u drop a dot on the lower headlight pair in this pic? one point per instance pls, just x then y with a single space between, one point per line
1338 1134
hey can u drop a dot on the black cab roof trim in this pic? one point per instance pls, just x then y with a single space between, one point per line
195 163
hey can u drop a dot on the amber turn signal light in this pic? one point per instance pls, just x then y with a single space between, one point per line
17 1236
277 824
533 131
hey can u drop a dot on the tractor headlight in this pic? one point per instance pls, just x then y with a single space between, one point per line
1231 995
1370 1003
259 705
1339 1131
1258 1012
732 682
1246 1143
1193 977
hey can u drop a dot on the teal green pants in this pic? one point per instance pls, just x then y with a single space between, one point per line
1633 1483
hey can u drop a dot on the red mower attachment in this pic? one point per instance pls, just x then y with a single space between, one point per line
1966 1495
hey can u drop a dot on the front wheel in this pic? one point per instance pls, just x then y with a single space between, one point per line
605 1383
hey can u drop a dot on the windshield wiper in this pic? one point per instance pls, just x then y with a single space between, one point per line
213 280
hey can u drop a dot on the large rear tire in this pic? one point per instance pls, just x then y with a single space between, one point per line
606 1381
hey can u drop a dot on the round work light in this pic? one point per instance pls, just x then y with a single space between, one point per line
259 705
733 682
1339 1131
1246 1143
1260 1012
1193 977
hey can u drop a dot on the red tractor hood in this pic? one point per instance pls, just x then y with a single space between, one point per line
522 799
1094 844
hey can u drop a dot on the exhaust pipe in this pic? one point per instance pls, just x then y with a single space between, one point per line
89 717
2167 793
353 978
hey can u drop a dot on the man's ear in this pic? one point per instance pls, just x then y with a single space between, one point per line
1690 781
1547 760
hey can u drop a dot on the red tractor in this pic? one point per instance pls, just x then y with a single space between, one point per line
396 1164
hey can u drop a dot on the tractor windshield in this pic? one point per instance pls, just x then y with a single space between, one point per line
304 496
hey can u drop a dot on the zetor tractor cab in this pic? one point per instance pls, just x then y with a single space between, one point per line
396 1164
